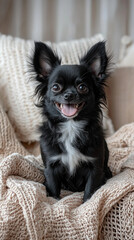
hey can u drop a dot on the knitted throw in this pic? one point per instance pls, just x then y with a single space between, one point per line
27 213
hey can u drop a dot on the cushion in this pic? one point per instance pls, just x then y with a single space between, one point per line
16 89
121 85
126 55
121 96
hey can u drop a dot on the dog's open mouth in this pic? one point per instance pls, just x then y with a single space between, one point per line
69 110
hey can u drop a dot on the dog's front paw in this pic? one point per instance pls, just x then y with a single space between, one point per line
85 198
48 194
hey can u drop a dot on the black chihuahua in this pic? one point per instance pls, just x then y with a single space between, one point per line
72 142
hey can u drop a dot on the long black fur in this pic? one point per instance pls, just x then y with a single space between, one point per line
92 71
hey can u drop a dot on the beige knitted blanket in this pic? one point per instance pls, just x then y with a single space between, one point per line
27 213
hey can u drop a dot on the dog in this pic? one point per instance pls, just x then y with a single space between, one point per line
73 148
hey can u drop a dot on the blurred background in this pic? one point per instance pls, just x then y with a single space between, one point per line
61 20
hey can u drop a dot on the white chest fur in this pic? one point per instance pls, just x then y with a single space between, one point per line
69 131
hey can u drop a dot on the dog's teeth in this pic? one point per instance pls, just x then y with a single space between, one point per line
76 105
61 105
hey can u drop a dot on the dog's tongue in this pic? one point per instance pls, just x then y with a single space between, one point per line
69 110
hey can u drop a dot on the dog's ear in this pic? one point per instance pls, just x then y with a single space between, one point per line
44 59
97 61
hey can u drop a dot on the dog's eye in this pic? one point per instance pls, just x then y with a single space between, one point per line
82 88
56 87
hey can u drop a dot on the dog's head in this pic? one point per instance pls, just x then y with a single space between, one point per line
70 91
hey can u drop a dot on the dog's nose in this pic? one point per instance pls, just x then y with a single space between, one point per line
69 96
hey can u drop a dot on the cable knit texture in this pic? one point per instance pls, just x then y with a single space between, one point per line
16 89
